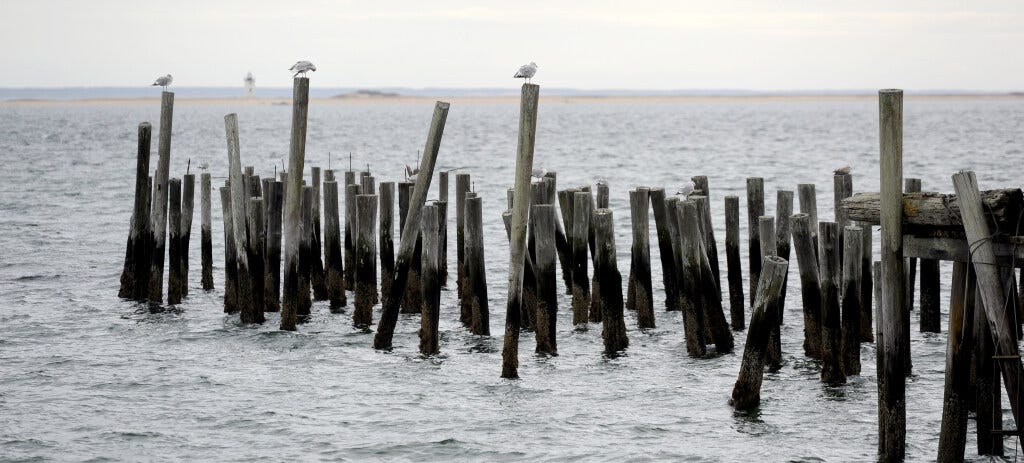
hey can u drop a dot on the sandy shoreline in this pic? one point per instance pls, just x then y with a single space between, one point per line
506 99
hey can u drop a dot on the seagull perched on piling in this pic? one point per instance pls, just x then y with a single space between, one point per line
526 71
842 170
538 172
686 189
301 67
162 81
410 172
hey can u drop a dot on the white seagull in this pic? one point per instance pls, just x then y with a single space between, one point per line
163 81
526 71
842 170
301 67
410 172
538 172
686 189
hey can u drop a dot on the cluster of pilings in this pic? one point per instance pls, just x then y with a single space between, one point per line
325 244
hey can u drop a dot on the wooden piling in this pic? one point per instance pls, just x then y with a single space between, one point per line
842 187
746 394
609 279
462 184
316 264
205 232
230 254
867 327
810 289
929 302
892 350
430 230
561 240
911 185
334 270
366 286
769 247
987 396
274 201
850 341
686 261
708 230
159 198
387 242
351 191
239 202
737 304
476 274
662 224
953 431
517 243
257 255
175 280
188 199
305 255
411 302
640 287
565 207
134 281
809 205
293 204
406 247
831 327
579 236
442 218
755 209
783 236
542 223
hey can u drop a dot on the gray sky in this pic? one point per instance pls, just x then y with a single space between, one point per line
639 44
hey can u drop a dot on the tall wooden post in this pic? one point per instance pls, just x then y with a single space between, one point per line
831 332
334 271
542 221
230 253
810 289
293 204
366 255
158 208
274 201
953 433
609 295
387 241
737 304
579 237
663 223
188 199
205 232
852 241
430 230
755 209
239 211
175 280
640 287
462 184
136 258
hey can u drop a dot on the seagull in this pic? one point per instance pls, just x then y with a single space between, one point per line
686 189
301 67
410 172
206 165
163 81
842 170
526 71
538 172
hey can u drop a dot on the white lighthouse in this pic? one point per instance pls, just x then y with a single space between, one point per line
250 85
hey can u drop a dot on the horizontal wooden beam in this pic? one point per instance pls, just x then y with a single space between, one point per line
927 211
954 249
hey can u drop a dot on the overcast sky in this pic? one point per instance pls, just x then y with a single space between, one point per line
636 44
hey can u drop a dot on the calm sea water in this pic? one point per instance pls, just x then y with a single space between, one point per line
87 376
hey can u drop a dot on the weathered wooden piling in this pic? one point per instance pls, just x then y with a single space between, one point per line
842 187
230 253
953 431
411 302
766 231
430 230
987 396
850 341
316 264
867 327
273 199
746 394
911 185
205 232
640 291
188 199
737 304
595 284
755 209
542 223
579 237
305 255
476 269
662 224
350 228
386 239
134 277
892 419
707 229
714 314
257 255
809 205
520 212
686 261
293 204
561 240
929 301
366 254
462 184
334 270
609 279
442 219
831 327
783 237
810 289
158 207
565 207
175 280
248 312
407 244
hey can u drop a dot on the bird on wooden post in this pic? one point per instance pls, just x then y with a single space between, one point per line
302 67
163 81
538 172
686 189
845 170
526 71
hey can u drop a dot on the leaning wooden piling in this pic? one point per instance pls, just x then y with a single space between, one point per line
406 247
188 199
334 270
136 256
831 326
411 302
708 230
430 230
737 304
386 239
240 201
476 274
662 224
205 232
609 279
579 237
755 209
746 394
810 289
686 261
230 253
542 223
850 308
159 198
953 431
520 213
892 419
274 202
640 287
175 280
293 204
366 255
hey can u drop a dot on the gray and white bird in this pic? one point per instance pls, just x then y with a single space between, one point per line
162 81
526 71
845 170
538 172
410 172
687 188
302 67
